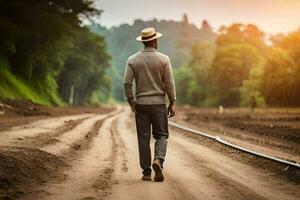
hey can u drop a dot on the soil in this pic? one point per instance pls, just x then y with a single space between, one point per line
25 129
23 169
94 155
273 131
20 112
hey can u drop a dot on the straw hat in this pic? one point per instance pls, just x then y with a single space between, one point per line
148 34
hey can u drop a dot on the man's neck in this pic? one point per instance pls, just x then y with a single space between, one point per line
149 47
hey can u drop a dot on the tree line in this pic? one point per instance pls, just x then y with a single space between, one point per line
45 44
242 68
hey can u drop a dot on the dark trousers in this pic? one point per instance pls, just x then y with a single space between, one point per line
154 116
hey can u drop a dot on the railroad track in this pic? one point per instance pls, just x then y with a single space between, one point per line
224 142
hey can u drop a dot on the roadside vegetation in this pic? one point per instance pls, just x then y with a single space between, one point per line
46 53
241 69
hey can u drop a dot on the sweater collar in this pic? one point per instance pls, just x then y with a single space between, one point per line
149 49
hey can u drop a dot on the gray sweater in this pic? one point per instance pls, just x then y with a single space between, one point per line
153 77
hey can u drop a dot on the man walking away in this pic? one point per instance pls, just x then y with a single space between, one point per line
153 77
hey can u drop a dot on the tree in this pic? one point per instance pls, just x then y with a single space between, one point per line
44 33
206 26
85 68
8 36
185 82
291 44
37 36
192 80
279 80
231 66
240 33
251 89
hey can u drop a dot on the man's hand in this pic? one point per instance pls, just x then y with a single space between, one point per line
171 110
133 108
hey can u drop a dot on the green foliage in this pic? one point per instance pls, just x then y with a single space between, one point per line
228 73
184 82
84 68
231 67
241 34
281 77
251 90
8 37
243 70
13 87
192 79
291 43
39 40
280 80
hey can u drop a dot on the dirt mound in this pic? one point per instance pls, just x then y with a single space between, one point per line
14 112
21 107
23 169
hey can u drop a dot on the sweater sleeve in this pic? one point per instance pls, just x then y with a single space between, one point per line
128 78
169 81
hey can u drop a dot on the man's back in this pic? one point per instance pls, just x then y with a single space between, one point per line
152 72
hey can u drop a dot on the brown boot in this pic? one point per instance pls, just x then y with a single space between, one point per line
146 177
159 176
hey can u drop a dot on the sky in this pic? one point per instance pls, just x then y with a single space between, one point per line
271 16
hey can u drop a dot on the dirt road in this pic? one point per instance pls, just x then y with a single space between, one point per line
101 162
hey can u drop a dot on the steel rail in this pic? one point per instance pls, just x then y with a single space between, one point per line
222 141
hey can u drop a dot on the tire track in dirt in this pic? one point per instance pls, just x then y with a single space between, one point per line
79 147
222 184
25 189
17 134
71 138
105 179
120 147
75 151
129 184
47 138
89 176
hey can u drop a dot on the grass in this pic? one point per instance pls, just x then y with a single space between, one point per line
13 87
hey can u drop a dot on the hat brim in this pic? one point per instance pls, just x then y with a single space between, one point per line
140 39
